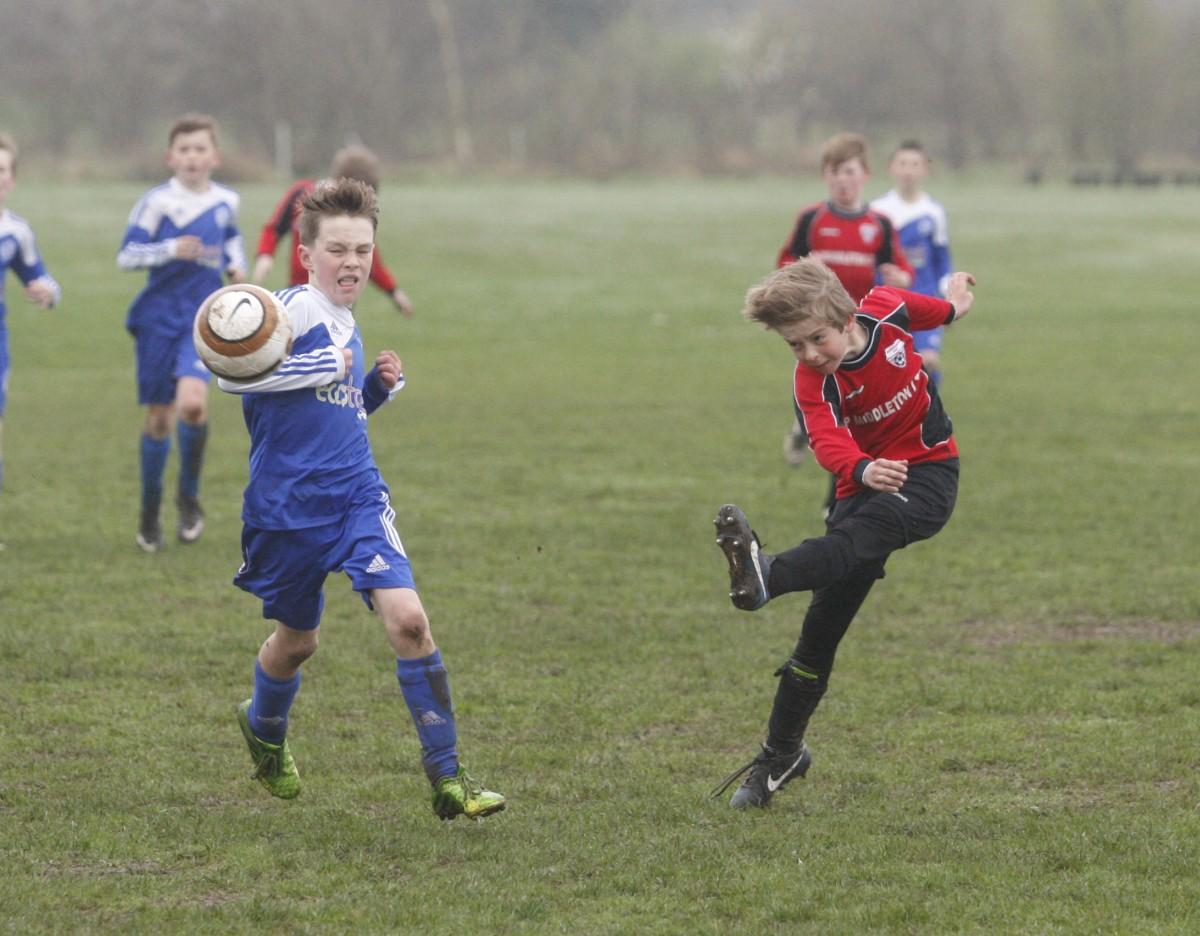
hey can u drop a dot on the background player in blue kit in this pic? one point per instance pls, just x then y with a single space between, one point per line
317 504
924 237
185 233
18 252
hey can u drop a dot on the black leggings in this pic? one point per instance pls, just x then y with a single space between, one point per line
841 567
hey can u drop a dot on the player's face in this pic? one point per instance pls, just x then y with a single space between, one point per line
846 183
818 345
6 174
193 157
909 168
339 261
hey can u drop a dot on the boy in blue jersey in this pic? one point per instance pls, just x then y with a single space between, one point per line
317 504
18 252
924 237
185 233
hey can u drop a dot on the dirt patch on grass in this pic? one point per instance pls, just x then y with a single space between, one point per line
993 633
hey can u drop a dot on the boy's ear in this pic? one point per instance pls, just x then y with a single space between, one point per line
306 258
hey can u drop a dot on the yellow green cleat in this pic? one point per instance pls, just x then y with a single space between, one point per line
461 796
273 764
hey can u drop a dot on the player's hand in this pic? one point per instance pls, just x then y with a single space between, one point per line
188 247
236 275
389 368
348 355
958 291
263 264
40 293
886 475
892 275
403 304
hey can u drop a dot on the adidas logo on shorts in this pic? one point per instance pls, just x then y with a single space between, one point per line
378 565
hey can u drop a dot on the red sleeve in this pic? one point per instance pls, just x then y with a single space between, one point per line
381 276
923 312
797 245
818 402
280 222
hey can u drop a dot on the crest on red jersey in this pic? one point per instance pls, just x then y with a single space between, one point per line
895 353
867 231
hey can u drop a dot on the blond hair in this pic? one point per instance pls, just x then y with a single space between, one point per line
190 123
10 145
332 198
842 148
356 162
798 292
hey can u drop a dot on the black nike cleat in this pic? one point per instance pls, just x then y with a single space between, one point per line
768 772
749 566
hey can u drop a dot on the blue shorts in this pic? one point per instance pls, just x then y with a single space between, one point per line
928 340
161 361
287 568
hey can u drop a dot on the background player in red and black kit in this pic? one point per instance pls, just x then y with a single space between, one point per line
351 162
876 423
860 245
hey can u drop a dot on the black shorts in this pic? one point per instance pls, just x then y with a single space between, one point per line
878 523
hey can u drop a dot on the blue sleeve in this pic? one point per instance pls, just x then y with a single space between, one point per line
375 394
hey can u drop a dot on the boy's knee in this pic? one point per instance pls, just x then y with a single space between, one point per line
193 413
297 646
410 626
158 422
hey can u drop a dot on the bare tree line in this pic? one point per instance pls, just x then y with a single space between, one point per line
603 86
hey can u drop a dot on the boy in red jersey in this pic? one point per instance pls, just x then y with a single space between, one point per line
877 424
860 245
351 162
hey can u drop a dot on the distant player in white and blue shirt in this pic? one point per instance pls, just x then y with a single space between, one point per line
924 237
19 253
185 233
316 504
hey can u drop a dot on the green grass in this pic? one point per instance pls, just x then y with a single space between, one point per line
1010 741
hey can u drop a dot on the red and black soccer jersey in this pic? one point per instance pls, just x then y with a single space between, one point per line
852 245
880 404
285 220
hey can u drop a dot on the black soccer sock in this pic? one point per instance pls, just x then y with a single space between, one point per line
800 691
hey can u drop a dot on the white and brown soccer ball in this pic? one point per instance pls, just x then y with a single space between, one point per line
242 332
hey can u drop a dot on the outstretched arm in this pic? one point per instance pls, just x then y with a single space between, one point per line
958 291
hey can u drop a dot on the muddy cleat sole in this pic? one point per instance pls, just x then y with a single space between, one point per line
273 764
191 519
768 773
749 566
149 535
461 796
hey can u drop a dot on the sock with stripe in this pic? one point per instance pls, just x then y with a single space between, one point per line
154 454
192 439
269 707
426 690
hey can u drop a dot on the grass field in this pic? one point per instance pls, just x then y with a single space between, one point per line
1011 742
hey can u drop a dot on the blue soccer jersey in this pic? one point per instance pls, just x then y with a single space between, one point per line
19 253
310 458
924 237
175 287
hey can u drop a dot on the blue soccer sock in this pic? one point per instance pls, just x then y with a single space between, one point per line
269 707
154 463
426 690
192 439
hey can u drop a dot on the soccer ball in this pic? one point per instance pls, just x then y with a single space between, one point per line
242 332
